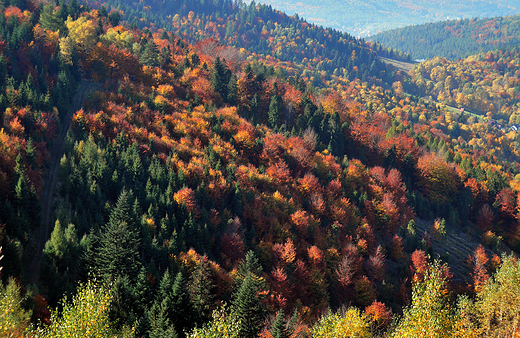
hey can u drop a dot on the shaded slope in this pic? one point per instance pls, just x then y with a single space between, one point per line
453 39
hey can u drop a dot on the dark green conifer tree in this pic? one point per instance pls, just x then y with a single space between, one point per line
249 265
50 19
150 55
114 18
255 109
118 253
220 76
143 291
160 324
232 90
183 315
60 266
26 201
274 112
3 71
248 308
279 329
200 287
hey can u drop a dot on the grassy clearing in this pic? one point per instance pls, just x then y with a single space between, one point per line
401 65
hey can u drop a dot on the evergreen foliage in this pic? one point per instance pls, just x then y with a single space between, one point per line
118 253
248 308
272 185
453 39
200 287
279 329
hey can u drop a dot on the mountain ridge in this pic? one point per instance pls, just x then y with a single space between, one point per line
453 39
365 18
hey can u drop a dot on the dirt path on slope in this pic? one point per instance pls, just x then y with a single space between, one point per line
50 178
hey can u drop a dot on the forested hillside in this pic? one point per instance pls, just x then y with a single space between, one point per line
453 39
486 84
368 17
262 30
204 190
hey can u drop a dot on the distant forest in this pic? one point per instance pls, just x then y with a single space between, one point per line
453 39
287 38
362 18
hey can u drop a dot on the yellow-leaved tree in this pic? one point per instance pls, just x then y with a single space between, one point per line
82 32
351 324
430 314
67 50
118 36
14 320
222 325
498 303
86 316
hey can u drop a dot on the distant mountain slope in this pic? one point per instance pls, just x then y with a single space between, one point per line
262 30
363 18
455 38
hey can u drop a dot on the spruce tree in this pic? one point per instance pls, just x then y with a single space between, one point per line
220 78
124 307
248 308
50 19
279 329
255 109
200 287
232 90
162 311
118 253
150 56
274 112
249 265
26 200
183 315
60 261
160 325
165 287
143 291
3 71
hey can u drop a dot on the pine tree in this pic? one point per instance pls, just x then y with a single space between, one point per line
232 90
161 312
248 308
279 329
200 287
183 315
150 56
220 78
274 112
50 19
118 253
